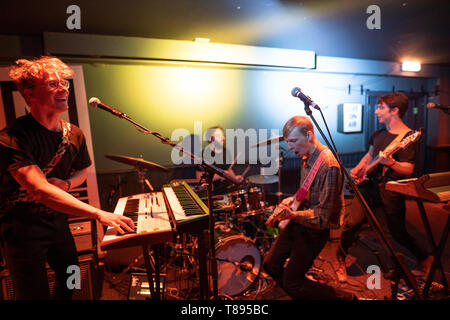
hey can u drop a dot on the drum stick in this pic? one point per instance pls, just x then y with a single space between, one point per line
234 161
245 171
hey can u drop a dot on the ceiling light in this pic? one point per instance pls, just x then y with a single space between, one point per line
408 65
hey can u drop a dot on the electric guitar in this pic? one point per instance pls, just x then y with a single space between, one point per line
389 151
280 212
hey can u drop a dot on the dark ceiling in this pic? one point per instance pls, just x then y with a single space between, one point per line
414 29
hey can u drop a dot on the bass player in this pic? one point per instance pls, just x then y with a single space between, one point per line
399 165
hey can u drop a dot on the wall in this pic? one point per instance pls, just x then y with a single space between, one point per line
165 97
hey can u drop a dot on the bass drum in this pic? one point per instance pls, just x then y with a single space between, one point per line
238 264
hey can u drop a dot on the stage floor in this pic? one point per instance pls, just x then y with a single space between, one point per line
181 283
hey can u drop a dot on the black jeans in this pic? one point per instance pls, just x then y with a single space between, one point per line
393 206
301 245
31 240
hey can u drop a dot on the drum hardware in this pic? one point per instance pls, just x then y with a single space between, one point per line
247 203
142 166
263 179
239 263
258 179
276 139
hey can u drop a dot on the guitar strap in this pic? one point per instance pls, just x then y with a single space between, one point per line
397 139
63 146
303 190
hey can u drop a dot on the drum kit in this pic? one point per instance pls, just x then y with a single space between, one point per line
241 236
241 239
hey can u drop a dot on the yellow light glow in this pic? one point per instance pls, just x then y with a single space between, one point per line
409 65
204 40
176 96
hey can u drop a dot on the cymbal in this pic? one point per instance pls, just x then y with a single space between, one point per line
260 179
268 141
137 162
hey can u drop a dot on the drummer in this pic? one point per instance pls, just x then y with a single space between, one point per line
216 154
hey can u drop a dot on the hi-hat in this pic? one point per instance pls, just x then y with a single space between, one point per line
263 179
137 162
269 141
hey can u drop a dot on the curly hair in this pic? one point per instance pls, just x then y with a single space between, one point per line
25 72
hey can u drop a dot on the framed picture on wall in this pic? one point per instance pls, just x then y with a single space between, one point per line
350 118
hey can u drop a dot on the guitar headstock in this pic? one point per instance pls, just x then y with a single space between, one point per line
411 138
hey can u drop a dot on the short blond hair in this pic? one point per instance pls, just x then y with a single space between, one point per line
301 122
25 72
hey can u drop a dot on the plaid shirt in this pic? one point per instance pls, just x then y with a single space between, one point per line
324 204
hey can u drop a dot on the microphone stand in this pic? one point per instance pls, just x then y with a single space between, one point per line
210 170
385 243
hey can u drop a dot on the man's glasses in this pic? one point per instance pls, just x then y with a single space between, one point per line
54 84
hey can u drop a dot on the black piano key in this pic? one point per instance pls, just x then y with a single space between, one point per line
131 208
186 202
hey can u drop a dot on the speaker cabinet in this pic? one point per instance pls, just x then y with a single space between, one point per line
84 293
83 234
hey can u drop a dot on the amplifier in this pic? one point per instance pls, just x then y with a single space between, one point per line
139 288
82 234
84 293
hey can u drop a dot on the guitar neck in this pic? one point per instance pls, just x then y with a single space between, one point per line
376 161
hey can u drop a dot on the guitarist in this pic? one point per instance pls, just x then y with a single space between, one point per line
400 165
308 226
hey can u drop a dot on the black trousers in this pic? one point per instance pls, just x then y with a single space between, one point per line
29 241
393 206
301 245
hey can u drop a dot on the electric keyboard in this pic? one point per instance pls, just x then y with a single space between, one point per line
433 187
158 216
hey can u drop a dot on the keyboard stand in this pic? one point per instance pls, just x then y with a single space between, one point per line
153 270
437 250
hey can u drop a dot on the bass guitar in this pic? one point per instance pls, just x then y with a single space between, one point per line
389 151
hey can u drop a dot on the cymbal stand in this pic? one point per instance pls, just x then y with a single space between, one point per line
211 170
141 171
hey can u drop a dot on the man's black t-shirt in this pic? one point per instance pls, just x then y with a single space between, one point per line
27 142
380 140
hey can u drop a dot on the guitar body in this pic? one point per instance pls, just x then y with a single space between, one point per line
388 151
280 212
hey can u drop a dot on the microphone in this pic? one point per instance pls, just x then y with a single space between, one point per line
96 103
432 105
296 92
